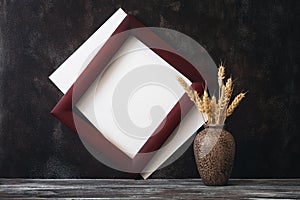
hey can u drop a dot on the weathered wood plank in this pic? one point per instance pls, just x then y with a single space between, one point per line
147 189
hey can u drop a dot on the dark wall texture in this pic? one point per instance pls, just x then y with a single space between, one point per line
258 39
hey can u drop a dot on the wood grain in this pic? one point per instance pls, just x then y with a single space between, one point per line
147 189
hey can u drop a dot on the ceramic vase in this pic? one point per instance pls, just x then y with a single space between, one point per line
214 150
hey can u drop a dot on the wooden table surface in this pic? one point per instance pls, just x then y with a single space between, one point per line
147 189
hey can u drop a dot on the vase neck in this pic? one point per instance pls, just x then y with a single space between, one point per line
215 126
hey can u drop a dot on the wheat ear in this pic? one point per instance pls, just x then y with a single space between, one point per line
187 89
234 104
226 99
221 76
206 102
229 89
199 104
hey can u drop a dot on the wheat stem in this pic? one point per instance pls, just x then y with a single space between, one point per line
213 109
222 104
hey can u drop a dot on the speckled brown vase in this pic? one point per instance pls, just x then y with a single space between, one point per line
214 150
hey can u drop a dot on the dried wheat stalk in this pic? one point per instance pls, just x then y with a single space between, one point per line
199 102
221 105
221 76
187 89
193 95
206 102
226 95
216 110
213 105
234 104
229 89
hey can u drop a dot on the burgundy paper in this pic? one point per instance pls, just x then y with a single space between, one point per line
63 110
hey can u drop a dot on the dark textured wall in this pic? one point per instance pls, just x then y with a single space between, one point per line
258 39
